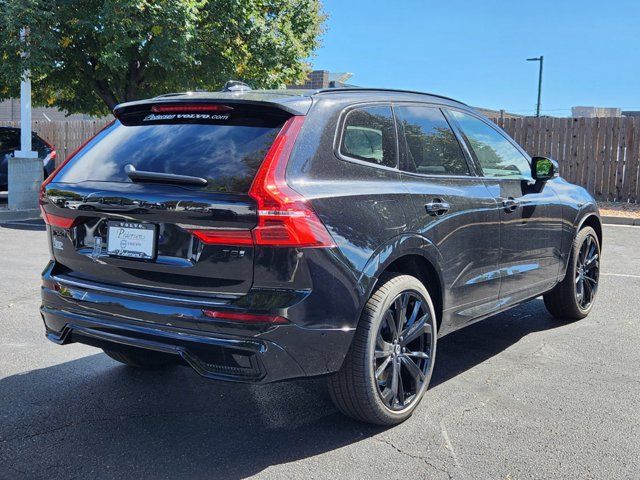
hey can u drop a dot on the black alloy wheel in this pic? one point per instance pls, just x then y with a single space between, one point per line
587 272
573 297
388 368
403 351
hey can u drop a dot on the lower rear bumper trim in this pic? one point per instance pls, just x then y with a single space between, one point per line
215 358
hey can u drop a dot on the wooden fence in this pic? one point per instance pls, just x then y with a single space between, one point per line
601 154
65 136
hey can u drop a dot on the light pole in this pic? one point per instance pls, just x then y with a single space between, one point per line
541 60
25 168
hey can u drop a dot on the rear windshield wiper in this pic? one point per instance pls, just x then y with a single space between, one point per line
158 177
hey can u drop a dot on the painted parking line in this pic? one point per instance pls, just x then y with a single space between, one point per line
625 275
614 225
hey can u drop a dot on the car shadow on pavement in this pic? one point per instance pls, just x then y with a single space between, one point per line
464 349
32 224
91 417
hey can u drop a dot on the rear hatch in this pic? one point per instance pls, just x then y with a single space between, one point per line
159 200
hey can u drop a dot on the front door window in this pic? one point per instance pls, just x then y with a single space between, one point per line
497 156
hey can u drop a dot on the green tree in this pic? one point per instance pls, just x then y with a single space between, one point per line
86 56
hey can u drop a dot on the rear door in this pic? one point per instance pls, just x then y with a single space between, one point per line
159 234
452 209
530 212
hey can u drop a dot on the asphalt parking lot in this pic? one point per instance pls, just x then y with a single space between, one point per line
515 396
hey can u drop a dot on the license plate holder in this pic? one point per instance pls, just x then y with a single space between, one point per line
131 240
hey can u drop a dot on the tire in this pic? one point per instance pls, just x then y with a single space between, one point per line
146 359
363 389
565 301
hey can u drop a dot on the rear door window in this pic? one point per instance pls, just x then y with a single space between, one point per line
227 153
431 145
369 135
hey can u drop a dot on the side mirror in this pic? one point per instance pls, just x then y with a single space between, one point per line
543 169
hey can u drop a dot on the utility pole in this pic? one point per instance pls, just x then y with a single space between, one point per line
25 168
541 60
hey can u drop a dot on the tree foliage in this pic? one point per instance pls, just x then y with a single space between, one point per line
86 56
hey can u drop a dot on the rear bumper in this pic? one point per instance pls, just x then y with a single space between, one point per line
241 360
217 350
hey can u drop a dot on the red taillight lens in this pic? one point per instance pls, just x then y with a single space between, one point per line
284 218
216 236
57 221
190 107
245 317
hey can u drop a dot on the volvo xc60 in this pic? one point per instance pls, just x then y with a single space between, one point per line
285 234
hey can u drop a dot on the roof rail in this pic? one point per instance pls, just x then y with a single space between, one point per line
372 89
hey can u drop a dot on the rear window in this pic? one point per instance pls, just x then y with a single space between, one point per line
226 153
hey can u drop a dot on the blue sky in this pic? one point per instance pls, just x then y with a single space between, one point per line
475 51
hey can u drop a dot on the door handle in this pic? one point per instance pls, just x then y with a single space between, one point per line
437 208
510 204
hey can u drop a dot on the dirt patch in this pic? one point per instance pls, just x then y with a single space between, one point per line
612 209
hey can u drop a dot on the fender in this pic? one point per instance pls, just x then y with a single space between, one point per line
587 211
577 207
397 247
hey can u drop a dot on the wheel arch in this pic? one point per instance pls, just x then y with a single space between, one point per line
412 255
592 220
588 219
421 268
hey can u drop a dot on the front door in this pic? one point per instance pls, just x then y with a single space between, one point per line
530 213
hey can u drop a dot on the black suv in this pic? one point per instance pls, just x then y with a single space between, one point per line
10 142
266 235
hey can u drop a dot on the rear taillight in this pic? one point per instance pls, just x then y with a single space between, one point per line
58 221
245 317
52 150
216 236
284 217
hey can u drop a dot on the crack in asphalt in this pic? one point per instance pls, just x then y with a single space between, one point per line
411 455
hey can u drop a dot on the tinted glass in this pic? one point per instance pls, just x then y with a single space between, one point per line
432 148
39 146
369 134
228 156
9 140
497 156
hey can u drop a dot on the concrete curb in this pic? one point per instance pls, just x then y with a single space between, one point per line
609 220
9 215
